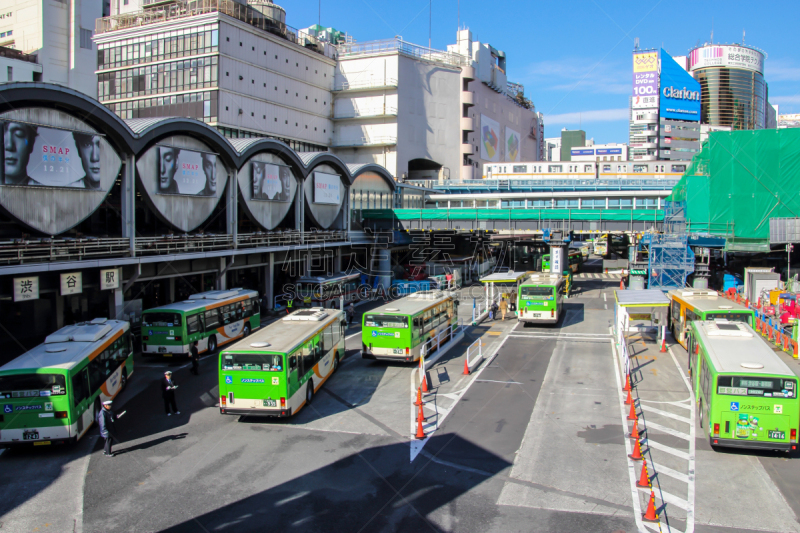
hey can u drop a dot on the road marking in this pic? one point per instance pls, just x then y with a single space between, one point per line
562 335
681 403
691 470
664 448
667 471
604 298
494 381
661 527
562 338
353 335
666 497
669 431
666 414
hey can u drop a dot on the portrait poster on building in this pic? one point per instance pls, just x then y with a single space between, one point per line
36 155
327 188
512 145
270 182
490 139
186 172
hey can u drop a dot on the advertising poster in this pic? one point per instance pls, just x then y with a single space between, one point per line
327 188
490 139
731 56
270 182
512 145
645 74
644 102
187 172
680 92
36 155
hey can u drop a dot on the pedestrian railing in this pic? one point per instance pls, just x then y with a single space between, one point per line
474 354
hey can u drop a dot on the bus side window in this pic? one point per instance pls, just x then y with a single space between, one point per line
292 363
80 387
690 346
212 319
192 324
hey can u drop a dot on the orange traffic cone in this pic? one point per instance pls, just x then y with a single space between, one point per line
632 414
420 432
419 397
627 386
622 284
663 345
466 368
637 452
420 415
635 433
650 515
424 383
628 400
644 479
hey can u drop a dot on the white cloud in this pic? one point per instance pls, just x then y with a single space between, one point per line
781 70
784 100
599 115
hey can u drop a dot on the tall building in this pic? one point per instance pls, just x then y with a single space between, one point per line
552 149
59 34
571 139
733 90
237 67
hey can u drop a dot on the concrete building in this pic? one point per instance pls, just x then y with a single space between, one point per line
18 66
600 152
237 67
789 121
552 149
59 34
571 139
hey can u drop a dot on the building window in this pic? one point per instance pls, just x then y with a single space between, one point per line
10 73
86 39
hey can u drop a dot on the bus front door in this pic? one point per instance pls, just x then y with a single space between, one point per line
293 383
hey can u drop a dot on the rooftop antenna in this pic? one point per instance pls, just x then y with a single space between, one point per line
635 43
742 36
712 30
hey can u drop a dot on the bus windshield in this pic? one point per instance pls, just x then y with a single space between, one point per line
32 385
164 320
386 321
529 293
252 361
730 317
757 386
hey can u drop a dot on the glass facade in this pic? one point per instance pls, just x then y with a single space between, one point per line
732 97
170 77
199 105
158 47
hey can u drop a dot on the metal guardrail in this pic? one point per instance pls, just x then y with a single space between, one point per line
40 250
12 53
400 46
434 343
573 184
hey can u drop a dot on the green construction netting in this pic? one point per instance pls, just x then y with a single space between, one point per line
635 215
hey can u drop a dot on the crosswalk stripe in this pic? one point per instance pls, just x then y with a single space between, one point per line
669 499
664 448
653 410
668 431
667 471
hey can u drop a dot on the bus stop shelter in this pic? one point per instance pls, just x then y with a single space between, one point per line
639 311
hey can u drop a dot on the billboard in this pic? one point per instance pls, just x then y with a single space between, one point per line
186 172
512 145
680 92
645 74
327 188
490 139
644 102
609 151
731 56
270 182
581 151
36 155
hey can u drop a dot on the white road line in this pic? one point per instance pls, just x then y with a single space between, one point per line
664 448
637 506
493 381
667 414
667 471
681 403
604 297
691 491
353 335
669 431
661 527
559 337
666 497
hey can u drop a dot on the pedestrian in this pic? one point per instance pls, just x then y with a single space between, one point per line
168 387
351 312
105 419
264 303
493 311
514 301
195 356
503 308
289 304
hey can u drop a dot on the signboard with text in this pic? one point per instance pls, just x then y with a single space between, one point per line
645 73
71 283
109 279
680 92
726 55
327 188
26 289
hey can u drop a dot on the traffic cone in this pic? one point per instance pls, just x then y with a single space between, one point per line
622 284
424 384
635 432
637 452
650 515
628 400
663 345
644 479
466 368
420 431
420 415
627 386
419 397
632 414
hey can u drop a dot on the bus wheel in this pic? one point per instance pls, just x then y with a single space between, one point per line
212 343
124 379
336 362
246 330
310 391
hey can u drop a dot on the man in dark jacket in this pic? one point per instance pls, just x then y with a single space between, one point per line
168 387
195 357
105 419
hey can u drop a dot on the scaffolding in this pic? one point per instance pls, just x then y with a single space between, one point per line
670 260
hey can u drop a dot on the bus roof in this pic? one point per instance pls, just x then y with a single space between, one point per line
206 299
505 277
705 300
288 333
544 278
412 304
69 345
334 278
732 345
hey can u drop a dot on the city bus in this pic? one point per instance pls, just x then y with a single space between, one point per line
327 291
702 304
212 318
277 370
541 298
746 395
52 393
398 330
574 259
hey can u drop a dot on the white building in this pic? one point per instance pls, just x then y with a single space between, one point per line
600 152
18 66
552 149
59 34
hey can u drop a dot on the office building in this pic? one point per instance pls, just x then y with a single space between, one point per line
600 152
552 149
58 34
18 66
571 139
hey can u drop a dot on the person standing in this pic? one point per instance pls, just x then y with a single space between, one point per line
195 356
493 311
503 308
168 387
105 419
351 312
513 301
289 304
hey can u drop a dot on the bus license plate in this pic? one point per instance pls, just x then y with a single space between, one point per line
537 315
397 351
270 403
30 435
780 435
162 349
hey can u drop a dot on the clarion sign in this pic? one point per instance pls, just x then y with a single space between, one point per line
683 94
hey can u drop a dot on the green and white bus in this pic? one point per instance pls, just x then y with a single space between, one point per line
212 318
702 304
52 394
277 370
746 395
541 298
398 330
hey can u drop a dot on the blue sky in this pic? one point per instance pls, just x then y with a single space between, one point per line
574 58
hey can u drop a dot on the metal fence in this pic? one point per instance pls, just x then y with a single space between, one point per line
400 46
576 184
